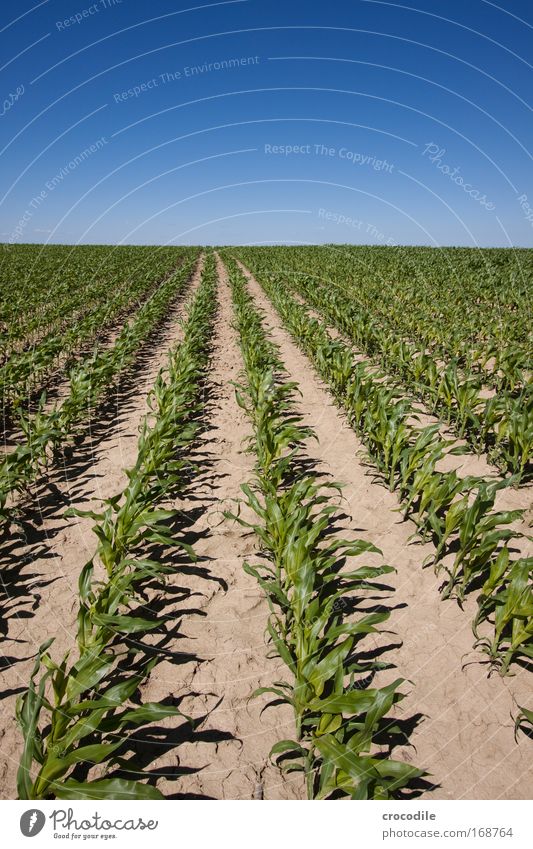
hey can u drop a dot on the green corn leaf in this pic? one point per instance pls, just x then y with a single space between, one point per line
110 788
125 624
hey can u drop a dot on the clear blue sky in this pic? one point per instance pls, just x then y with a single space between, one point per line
252 122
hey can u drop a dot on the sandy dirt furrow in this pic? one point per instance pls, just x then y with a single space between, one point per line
40 563
459 722
221 655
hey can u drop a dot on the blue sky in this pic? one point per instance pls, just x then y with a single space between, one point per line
252 122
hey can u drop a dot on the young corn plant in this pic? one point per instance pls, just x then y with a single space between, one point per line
480 535
448 378
417 465
86 293
507 599
523 722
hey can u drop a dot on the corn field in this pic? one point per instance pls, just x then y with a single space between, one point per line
265 522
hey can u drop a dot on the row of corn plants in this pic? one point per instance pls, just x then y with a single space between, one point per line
305 575
83 314
473 541
46 431
502 424
77 712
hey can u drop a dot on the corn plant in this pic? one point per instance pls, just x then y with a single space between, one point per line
507 598
70 305
524 722
480 535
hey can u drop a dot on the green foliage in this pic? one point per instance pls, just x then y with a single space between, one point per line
524 721
55 299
